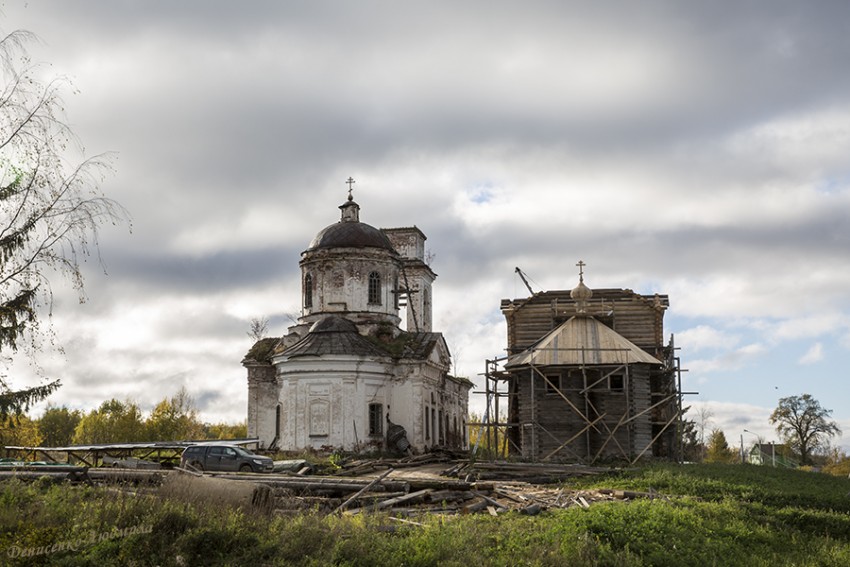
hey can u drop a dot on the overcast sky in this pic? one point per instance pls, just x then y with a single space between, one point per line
695 149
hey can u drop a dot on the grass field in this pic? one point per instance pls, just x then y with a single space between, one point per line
707 515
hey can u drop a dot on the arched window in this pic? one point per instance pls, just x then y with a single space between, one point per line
374 288
308 291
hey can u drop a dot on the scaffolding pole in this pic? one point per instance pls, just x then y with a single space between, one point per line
669 389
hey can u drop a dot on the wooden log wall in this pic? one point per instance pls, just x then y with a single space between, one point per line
639 318
551 413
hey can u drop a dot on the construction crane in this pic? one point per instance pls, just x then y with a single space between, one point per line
524 280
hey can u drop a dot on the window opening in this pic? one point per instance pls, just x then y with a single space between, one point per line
308 291
376 419
617 382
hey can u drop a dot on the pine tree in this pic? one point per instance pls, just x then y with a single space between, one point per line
718 450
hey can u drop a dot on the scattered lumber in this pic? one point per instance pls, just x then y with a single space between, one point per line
361 491
362 466
417 496
535 473
442 482
124 476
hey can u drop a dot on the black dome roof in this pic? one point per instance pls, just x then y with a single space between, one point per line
351 235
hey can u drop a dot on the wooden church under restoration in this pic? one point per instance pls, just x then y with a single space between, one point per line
587 378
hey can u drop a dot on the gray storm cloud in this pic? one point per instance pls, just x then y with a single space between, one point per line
693 149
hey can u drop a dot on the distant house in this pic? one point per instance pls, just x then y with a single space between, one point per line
771 454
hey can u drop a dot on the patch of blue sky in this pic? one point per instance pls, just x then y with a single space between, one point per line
492 317
481 192
833 185
777 372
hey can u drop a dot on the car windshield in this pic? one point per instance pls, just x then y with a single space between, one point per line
244 452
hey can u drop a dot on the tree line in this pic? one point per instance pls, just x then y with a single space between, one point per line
174 418
802 423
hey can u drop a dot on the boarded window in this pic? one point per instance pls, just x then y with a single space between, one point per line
308 291
319 417
376 419
374 288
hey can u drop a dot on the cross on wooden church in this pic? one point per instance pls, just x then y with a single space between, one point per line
581 266
351 183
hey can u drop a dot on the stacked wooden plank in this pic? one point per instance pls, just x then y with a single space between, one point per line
361 466
535 473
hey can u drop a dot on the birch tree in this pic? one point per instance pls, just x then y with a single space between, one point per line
50 209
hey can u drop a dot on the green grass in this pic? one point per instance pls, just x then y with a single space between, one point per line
748 483
715 515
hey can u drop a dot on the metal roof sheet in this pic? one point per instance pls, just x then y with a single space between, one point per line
346 234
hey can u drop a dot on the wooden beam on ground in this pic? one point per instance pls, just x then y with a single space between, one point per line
401 499
345 504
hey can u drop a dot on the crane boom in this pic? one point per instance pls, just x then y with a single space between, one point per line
524 280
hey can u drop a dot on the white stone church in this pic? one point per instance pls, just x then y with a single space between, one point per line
347 375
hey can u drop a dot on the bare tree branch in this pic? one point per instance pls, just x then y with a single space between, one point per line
50 210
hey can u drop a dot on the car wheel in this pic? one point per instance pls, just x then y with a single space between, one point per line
197 465
246 468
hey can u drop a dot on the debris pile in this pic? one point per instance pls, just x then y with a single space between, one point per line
408 496
407 487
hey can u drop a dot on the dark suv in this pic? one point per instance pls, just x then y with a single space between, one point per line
224 458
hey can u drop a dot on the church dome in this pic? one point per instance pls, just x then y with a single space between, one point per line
581 292
350 235
349 232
